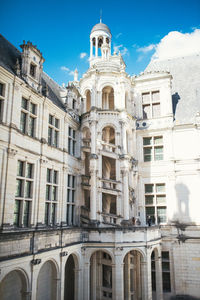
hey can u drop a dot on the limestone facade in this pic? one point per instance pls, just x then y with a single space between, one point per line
99 179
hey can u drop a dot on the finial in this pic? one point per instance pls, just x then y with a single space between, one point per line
100 15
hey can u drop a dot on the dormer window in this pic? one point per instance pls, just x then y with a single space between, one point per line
74 104
32 70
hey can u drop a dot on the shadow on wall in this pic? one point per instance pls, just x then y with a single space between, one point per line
175 100
184 297
182 215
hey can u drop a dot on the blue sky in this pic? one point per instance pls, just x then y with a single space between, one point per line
61 29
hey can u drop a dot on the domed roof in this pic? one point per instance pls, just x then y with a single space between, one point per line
101 26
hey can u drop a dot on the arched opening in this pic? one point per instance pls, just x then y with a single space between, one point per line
108 135
47 282
14 286
101 276
133 276
70 292
86 137
108 98
88 100
154 256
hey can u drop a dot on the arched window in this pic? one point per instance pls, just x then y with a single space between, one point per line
108 98
108 135
88 100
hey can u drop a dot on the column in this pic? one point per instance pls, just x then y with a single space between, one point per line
93 136
91 48
126 194
86 281
96 46
118 280
159 286
124 142
146 273
77 293
93 195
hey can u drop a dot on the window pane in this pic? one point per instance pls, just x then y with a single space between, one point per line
56 123
147 154
147 141
161 199
19 192
73 181
166 282
161 213
69 145
156 110
149 200
69 131
74 134
55 138
1 89
73 150
26 213
160 188
68 195
53 213
150 211
20 167
156 96
145 97
23 122
16 212
158 140
48 192
29 169
46 218
165 255
54 191
73 192
33 108
24 103
48 175
28 185
51 119
149 188
146 111
50 133
69 181
158 152
31 124
55 175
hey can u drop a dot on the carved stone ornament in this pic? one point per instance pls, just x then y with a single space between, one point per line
12 152
93 156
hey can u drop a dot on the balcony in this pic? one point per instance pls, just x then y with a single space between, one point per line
85 180
110 184
86 143
110 219
109 147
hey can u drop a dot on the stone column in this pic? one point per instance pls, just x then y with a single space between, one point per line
77 293
118 280
126 194
91 48
123 135
93 136
86 281
96 46
93 195
147 276
159 285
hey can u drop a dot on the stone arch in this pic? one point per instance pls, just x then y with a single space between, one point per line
88 99
104 250
71 277
101 275
108 101
108 134
137 249
133 281
15 285
47 277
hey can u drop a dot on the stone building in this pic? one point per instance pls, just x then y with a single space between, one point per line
100 179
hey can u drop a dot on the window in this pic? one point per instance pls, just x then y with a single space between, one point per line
153 148
51 196
71 141
153 271
166 271
74 104
70 213
24 194
28 117
2 99
155 202
53 131
32 70
151 105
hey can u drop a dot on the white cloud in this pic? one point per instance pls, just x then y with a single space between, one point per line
67 70
146 48
83 54
118 35
63 68
120 48
176 44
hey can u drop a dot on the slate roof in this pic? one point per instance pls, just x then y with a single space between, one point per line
185 85
8 57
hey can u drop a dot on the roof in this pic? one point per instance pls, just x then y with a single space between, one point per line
101 26
8 58
185 85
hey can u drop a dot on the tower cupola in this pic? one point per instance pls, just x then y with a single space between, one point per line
100 42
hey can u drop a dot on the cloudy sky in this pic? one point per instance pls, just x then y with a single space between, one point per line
141 30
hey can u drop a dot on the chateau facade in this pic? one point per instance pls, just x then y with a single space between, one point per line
99 180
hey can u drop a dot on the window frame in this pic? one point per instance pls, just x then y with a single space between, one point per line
25 126
2 99
166 271
22 198
32 70
151 103
71 141
155 195
54 128
153 146
51 197
71 200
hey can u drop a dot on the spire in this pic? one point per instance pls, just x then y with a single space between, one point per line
100 15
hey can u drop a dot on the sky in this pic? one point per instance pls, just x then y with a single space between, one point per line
141 30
